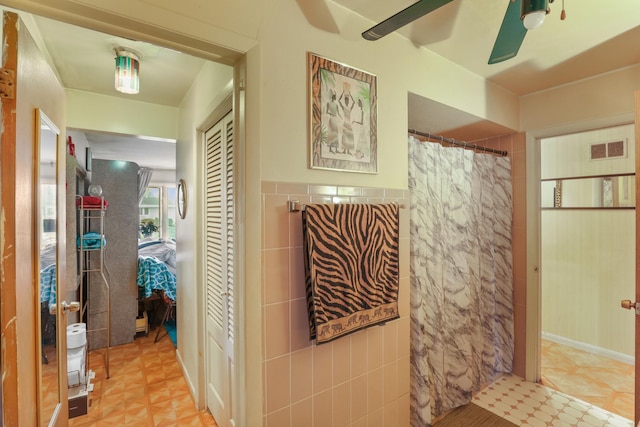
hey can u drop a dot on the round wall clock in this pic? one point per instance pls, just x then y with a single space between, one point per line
182 198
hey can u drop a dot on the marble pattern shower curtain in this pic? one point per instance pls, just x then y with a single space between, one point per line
461 275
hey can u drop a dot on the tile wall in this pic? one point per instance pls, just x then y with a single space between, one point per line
360 379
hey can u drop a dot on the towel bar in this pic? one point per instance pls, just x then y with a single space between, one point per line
296 206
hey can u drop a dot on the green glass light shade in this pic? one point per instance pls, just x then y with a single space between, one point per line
127 77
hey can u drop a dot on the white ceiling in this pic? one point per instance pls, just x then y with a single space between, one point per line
149 153
85 60
597 36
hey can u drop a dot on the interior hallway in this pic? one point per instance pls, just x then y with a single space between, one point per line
146 388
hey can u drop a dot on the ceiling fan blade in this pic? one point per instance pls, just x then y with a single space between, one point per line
403 17
510 36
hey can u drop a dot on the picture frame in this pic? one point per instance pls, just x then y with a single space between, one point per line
182 198
342 117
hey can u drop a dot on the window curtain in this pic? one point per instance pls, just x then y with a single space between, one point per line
461 275
144 177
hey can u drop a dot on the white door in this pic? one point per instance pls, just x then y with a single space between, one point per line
220 219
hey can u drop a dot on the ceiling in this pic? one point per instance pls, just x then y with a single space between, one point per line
144 151
85 60
597 36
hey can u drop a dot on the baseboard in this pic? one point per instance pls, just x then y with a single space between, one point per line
185 374
620 357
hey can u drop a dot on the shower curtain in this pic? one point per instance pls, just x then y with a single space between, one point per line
461 275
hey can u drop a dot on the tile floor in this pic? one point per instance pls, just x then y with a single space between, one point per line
146 388
578 389
599 380
529 404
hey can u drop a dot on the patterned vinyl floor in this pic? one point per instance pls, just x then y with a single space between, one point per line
602 381
146 388
529 404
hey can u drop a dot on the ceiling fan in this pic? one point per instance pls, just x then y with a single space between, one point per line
521 15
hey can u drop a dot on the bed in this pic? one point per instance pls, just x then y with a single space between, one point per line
48 296
163 250
156 279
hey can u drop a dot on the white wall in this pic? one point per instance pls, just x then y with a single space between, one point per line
119 115
593 103
81 144
588 266
277 37
212 86
400 67
163 177
568 156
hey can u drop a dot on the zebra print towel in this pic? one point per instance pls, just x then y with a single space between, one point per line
351 265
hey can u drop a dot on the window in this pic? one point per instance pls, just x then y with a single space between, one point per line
157 211
172 212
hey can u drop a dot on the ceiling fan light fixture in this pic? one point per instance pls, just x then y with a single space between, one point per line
127 75
533 13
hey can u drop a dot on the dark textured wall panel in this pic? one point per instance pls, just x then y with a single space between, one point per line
119 181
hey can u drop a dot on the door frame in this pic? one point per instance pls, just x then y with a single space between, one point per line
221 335
247 400
8 314
226 106
22 385
534 283
636 420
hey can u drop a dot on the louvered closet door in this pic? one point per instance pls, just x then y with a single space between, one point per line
220 217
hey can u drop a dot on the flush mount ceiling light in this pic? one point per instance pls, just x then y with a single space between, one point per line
533 13
127 77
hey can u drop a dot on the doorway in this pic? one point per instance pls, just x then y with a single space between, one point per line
588 265
125 121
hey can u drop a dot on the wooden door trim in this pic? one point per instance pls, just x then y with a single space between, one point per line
637 318
8 231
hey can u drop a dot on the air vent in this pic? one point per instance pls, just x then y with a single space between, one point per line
606 150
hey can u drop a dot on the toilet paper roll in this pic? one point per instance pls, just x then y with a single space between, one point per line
74 353
75 371
77 326
76 337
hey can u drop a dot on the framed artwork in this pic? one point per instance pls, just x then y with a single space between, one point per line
342 117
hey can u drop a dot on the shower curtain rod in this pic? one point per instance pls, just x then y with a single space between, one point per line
464 144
